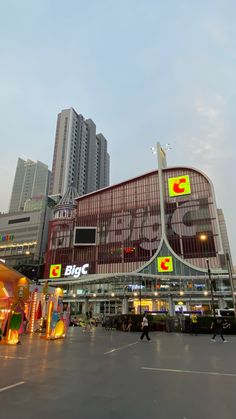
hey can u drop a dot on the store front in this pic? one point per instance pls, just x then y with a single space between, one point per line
135 293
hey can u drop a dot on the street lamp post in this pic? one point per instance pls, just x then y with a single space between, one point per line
211 288
229 267
140 296
204 237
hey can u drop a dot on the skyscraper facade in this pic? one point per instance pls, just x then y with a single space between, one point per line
31 183
80 156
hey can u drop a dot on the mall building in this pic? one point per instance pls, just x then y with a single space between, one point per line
152 243
23 238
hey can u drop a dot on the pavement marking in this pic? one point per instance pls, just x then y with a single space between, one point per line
121 347
189 371
12 357
12 386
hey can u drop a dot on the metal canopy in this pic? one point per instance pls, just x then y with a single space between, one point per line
127 277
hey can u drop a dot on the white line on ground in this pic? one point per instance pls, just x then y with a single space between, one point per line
12 357
12 386
121 347
189 371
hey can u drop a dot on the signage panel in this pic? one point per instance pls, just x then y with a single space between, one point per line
55 271
76 271
179 185
70 270
85 236
165 264
6 237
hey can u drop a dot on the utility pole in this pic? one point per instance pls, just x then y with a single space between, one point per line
229 267
211 288
140 296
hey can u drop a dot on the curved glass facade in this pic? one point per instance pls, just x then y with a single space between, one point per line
128 221
153 236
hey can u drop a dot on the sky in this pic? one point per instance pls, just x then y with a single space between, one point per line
143 70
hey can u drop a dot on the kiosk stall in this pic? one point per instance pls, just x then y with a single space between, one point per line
14 293
29 308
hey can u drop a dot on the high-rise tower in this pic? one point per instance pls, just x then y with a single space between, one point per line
31 182
80 156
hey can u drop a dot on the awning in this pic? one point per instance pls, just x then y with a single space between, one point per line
9 275
12 283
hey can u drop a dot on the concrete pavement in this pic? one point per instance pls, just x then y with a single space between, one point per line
111 374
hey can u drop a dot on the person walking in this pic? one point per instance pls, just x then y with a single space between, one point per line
128 328
145 328
217 327
87 322
193 318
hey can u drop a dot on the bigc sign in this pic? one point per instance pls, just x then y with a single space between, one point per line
55 271
165 264
70 270
179 185
76 271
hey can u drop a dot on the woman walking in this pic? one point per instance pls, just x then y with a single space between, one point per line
145 328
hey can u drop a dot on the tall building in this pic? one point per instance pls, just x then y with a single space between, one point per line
102 162
80 156
30 184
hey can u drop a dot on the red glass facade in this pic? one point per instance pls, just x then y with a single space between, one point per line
128 221
60 243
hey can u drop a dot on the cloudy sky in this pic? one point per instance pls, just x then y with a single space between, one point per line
143 70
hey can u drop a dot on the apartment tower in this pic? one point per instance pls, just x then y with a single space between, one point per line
31 183
80 156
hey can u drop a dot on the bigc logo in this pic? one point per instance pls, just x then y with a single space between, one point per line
179 185
76 271
55 271
165 264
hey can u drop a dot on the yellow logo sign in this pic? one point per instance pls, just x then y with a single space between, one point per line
165 264
179 185
55 271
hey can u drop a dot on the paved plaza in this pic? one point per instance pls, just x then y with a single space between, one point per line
111 374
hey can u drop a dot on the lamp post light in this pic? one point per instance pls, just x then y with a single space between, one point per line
140 296
211 288
203 238
229 268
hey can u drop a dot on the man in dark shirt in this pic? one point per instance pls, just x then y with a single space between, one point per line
217 326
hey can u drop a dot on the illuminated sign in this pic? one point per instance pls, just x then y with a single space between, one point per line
6 237
76 271
165 264
70 270
179 185
55 271
133 287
